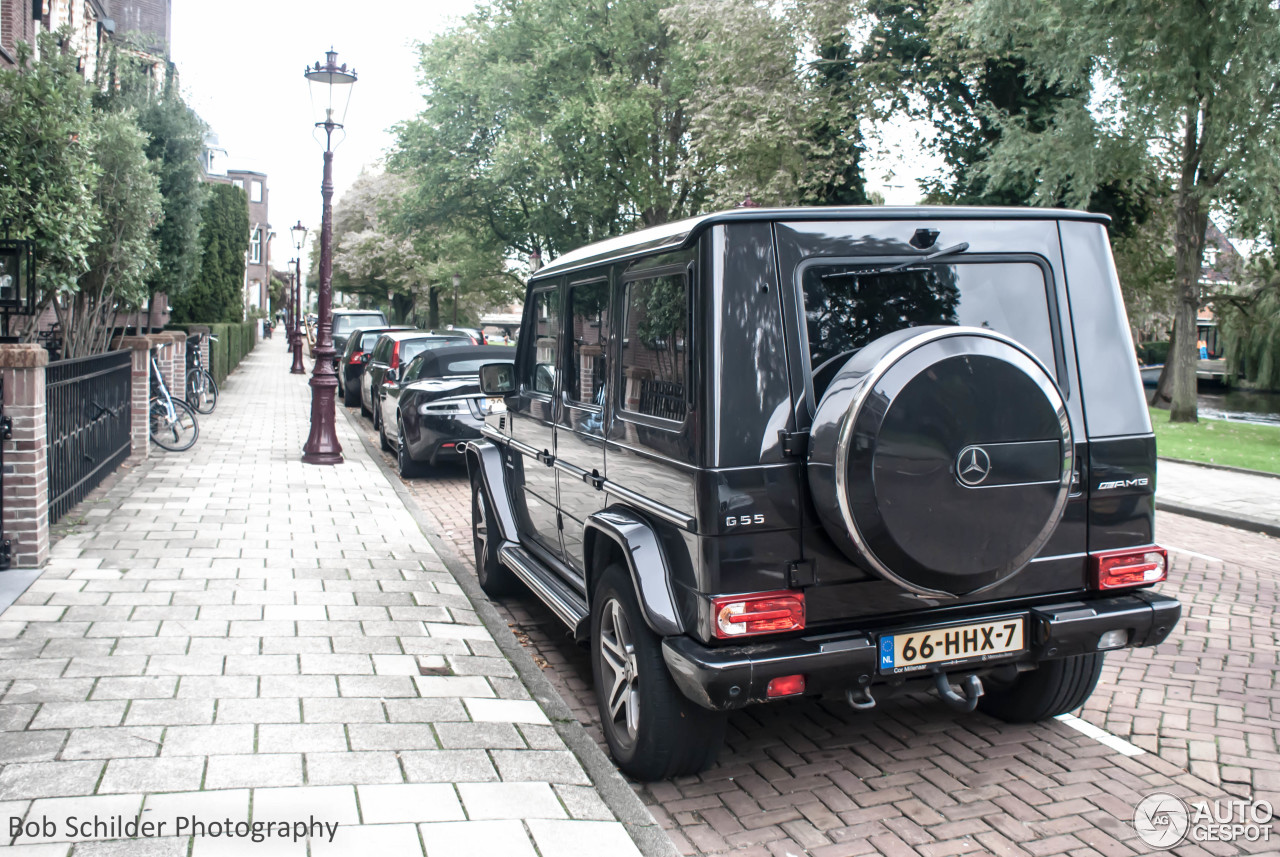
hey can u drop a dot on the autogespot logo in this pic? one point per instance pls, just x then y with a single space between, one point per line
1161 820
1164 821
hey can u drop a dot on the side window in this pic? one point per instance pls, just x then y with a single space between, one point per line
655 339
540 370
587 372
382 351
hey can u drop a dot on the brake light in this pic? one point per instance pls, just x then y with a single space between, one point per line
765 613
785 685
355 357
1120 569
395 355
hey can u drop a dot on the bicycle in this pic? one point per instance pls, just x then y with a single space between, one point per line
173 422
202 391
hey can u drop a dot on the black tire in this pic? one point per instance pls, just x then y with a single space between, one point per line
654 731
1054 688
202 391
405 466
495 579
350 397
176 435
364 412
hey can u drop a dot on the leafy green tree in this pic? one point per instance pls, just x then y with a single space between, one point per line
122 253
217 293
550 124
1193 86
1250 322
174 146
47 171
768 122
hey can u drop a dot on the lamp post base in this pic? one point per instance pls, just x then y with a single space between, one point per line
322 445
298 368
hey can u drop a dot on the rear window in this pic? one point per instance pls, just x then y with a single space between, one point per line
411 348
467 367
847 307
347 323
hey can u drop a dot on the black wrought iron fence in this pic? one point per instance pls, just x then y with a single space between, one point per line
662 399
89 421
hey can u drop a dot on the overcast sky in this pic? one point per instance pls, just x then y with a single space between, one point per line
241 67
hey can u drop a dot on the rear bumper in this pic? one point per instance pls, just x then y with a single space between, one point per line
731 677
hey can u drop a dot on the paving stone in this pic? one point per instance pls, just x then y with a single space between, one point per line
435 710
343 711
67 715
370 839
391 736
510 800
209 740
259 711
505 711
152 775
26 780
69 814
470 838
550 766
222 688
409 802
219 803
306 737
583 803
462 736
31 746
570 838
170 712
168 846
330 803
353 768
254 771
135 687
448 766
109 743
49 690
453 686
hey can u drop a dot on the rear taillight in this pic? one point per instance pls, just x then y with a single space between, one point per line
785 685
1122 569
395 356
355 357
764 613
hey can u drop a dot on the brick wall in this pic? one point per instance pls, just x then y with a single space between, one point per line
16 25
26 482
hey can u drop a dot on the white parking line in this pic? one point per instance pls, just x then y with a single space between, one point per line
1102 736
1192 553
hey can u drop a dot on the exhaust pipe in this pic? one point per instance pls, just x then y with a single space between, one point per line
967 699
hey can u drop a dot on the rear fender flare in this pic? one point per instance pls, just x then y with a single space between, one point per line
485 458
646 564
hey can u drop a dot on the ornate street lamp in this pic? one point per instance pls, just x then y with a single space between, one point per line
299 233
334 84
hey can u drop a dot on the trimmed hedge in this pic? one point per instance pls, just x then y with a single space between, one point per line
234 342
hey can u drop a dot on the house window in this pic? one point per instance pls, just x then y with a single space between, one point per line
255 191
255 247
238 183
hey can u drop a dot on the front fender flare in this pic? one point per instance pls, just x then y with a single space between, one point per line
485 458
646 564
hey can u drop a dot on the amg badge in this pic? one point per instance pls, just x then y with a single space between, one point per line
1137 482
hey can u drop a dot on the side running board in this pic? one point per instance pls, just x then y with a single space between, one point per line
563 601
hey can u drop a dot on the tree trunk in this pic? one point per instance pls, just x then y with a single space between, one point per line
433 308
1191 220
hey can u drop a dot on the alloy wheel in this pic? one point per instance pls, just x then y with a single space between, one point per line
618 658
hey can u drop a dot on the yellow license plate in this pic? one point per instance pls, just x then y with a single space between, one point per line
495 405
958 644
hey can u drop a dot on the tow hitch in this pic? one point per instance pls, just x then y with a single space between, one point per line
971 687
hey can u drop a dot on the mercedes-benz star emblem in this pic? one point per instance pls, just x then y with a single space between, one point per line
973 465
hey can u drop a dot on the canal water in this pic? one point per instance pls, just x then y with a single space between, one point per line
1240 405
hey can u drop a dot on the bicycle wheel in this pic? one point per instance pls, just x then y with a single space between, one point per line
202 392
175 434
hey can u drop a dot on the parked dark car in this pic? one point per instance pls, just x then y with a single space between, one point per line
392 351
470 334
436 404
352 360
347 320
834 452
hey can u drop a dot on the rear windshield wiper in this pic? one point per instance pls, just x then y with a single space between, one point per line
937 254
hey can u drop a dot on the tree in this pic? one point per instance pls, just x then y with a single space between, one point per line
550 124
122 254
217 293
175 144
1193 86
47 172
1250 322
769 122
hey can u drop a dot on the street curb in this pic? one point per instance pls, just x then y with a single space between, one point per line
616 792
1244 471
1240 522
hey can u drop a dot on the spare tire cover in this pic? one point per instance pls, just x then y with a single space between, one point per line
941 458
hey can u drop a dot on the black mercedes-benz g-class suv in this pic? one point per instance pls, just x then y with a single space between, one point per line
828 451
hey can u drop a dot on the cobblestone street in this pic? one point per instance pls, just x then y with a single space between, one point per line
810 778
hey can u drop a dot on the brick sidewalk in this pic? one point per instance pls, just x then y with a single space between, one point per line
912 778
238 636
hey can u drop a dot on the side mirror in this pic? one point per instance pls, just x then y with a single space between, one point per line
498 379
392 376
